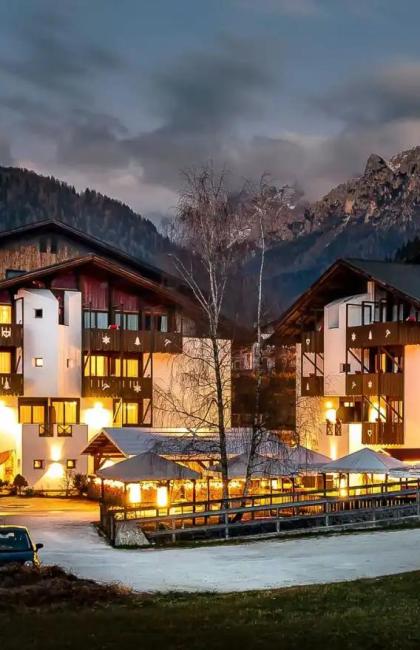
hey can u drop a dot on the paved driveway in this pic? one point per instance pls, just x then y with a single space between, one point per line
70 541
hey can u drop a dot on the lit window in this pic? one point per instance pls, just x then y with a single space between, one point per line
38 362
38 313
64 411
38 464
5 363
5 314
95 365
71 463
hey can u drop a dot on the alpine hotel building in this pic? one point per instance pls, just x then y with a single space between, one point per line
357 336
86 332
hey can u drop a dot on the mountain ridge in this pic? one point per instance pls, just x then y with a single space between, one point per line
371 216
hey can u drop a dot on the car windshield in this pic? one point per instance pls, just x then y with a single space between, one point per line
13 539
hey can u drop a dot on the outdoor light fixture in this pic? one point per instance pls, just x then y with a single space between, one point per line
134 492
162 496
55 471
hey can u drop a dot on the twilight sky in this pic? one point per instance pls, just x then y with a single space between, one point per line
121 95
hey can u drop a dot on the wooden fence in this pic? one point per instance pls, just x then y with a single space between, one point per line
268 514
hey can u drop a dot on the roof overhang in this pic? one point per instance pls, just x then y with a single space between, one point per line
341 279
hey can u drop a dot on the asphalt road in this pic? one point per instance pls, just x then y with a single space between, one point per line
72 542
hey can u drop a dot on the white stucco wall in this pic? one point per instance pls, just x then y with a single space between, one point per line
54 451
411 396
183 382
45 338
335 342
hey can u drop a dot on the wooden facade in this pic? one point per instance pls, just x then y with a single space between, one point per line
383 433
387 383
134 341
118 387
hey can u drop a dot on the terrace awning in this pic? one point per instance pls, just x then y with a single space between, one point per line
364 461
147 467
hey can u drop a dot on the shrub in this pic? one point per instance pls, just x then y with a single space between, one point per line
19 482
80 483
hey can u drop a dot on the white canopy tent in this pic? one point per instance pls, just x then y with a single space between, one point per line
364 461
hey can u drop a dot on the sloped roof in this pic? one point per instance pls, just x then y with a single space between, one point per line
364 461
305 458
133 276
263 466
53 225
344 278
405 278
147 467
130 441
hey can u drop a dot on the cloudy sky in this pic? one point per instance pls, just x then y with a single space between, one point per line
121 95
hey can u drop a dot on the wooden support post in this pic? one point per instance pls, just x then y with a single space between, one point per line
102 490
226 519
194 493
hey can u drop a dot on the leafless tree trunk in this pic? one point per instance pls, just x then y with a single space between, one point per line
257 425
208 226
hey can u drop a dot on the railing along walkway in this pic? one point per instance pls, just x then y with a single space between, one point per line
279 512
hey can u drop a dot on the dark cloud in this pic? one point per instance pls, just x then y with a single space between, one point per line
201 100
383 95
209 105
49 56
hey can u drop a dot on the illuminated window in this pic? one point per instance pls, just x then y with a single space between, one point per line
5 314
5 363
130 367
38 362
38 464
71 463
64 411
128 413
96 365
32 412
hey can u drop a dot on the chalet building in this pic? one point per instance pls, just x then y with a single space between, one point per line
89 338
357 336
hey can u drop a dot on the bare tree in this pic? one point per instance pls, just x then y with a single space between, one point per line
208 225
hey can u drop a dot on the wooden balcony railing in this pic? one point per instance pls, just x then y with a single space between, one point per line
383 383
11 336
115 340
48 430
121 387
312 341
377 334
11 384
312 386
383 433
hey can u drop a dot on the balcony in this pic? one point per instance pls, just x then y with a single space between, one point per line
119 340
49 430
11 384
383 433
119 387
377 334
386 383
312 342
312 386
11 336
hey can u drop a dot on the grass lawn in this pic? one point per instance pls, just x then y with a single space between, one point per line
382 613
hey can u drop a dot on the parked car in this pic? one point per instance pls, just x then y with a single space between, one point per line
16 546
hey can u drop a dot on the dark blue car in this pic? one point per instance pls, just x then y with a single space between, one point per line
16 546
